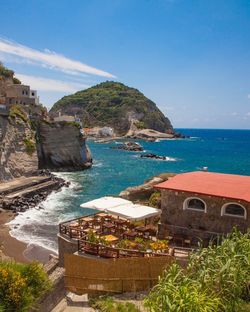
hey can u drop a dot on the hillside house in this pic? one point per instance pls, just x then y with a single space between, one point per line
21 94
203 205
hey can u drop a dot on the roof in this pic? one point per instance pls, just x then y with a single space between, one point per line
210 183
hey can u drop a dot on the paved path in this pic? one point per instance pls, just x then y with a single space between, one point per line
21 183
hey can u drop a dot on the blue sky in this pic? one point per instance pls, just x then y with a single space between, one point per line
192 57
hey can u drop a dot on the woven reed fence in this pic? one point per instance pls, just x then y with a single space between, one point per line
97 275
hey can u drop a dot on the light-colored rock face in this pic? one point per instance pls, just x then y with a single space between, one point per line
15 160
61 146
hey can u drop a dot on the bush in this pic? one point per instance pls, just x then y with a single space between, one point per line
16 111
16 81
5 72
155 199
21 285
216 279
30 146
140 125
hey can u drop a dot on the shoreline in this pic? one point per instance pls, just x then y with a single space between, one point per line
17 250
12 248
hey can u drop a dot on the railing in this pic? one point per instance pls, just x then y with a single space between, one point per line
112 252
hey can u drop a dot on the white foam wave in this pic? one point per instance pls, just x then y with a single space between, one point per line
39 225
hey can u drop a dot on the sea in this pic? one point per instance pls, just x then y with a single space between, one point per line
226 151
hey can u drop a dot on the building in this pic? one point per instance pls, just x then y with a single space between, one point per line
68 118
21 94
106 131
203 205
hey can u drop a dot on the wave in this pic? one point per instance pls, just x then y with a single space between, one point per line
39 225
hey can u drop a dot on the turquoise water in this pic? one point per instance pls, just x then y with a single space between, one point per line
226 151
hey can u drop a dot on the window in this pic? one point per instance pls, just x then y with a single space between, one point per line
33 94
234 210
194 203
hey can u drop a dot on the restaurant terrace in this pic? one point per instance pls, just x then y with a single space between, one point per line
118 229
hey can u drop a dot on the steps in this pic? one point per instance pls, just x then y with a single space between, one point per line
21 183
30 190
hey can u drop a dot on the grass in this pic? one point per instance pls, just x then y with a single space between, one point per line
108 304
215 280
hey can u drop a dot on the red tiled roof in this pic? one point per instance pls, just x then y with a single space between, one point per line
210 183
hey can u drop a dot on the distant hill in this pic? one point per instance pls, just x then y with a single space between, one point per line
113 104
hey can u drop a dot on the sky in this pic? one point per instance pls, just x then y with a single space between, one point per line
191 57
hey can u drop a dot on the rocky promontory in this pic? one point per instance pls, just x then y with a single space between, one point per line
62 147
115 105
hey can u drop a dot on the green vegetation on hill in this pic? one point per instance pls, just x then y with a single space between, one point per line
113 104
216 280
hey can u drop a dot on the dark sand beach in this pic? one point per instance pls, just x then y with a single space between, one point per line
15 249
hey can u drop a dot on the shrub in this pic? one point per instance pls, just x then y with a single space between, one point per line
139 124
21 285
216 279
30 146
16 111
5 72
155 199
16 81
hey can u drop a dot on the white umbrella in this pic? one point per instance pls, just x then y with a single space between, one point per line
134 212
105 202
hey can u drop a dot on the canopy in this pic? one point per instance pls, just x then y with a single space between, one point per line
105 202
134 212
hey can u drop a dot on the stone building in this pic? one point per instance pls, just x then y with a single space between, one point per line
21 94
203 205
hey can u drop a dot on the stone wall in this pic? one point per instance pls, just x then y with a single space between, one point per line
66 246
175 220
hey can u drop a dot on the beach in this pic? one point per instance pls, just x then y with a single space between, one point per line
15 249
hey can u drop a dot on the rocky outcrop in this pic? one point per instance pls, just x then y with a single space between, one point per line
61 146
18 156
144 191
148 134
129 146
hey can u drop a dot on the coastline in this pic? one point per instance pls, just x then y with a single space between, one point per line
16 249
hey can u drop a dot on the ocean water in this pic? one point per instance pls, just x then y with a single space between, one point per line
226 151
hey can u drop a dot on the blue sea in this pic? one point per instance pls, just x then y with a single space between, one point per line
226 151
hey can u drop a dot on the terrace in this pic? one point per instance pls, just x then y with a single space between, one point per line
107 235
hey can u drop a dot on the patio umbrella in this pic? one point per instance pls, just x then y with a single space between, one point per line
105 202
134 212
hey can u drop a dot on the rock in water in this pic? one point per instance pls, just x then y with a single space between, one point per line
62 147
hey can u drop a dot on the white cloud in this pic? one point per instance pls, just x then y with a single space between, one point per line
44 84
234 114
248 114
49 59
248 96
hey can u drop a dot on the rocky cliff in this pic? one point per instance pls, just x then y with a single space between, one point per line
28 142
61 146
115 105
18 156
